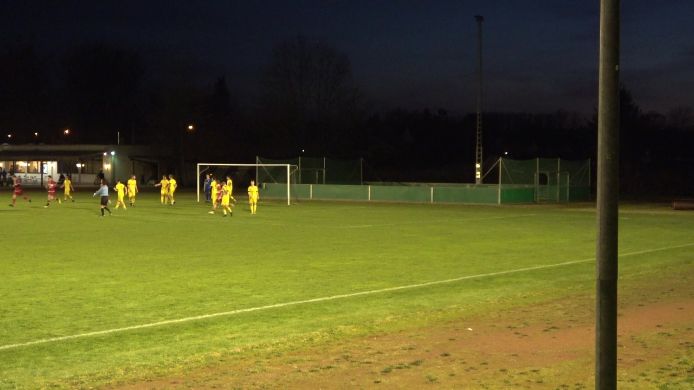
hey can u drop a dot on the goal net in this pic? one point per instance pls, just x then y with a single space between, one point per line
242 174
552 186
550 179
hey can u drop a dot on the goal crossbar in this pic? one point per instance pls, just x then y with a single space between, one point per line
287 166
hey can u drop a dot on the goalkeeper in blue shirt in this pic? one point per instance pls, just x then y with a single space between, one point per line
207 185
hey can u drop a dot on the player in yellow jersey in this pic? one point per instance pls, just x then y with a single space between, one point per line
230 183
69 189
253 197
132 190
164 184
213 190
172 189
226 199
120 190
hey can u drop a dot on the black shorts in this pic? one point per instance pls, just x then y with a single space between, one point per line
104 200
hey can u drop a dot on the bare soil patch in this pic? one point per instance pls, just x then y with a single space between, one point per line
544 346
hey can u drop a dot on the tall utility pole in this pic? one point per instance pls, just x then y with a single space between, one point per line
608 199
478 145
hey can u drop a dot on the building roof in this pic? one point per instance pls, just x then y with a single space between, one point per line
45 151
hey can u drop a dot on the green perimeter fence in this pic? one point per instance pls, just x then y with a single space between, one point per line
315 170
515 182
421 193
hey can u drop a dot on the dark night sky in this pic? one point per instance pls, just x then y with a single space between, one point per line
540 55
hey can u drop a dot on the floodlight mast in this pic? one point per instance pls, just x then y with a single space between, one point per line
478 143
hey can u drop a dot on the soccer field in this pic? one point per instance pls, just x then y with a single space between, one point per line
157 290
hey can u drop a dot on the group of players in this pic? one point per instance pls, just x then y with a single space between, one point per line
168 187
121 190
220 192
51 186
131 190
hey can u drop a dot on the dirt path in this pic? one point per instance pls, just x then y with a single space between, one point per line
544 346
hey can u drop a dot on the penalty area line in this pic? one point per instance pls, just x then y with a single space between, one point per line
321 299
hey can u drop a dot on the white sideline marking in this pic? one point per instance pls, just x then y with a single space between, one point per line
434 222
322 299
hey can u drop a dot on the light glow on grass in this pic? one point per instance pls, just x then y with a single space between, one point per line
69 274
323 299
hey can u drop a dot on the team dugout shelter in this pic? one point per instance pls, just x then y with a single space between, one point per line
33 163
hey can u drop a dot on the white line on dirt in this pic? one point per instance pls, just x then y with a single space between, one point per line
321 299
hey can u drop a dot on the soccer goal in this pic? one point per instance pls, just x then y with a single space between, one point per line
242 174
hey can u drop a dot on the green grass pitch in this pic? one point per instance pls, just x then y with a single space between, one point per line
65 271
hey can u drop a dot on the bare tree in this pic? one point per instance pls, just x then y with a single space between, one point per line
24 91
681 117
308 90
102 91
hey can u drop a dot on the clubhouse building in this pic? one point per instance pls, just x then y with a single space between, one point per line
34 162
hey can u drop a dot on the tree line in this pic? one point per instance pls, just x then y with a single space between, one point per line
308 103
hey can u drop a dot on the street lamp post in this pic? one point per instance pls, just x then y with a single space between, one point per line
607 259
189 129
113 166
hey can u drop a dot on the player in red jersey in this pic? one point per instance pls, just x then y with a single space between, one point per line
52 187
17 185
219 193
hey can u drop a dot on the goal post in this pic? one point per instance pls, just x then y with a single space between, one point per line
287 169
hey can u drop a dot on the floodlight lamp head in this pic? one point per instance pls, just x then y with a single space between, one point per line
479 18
